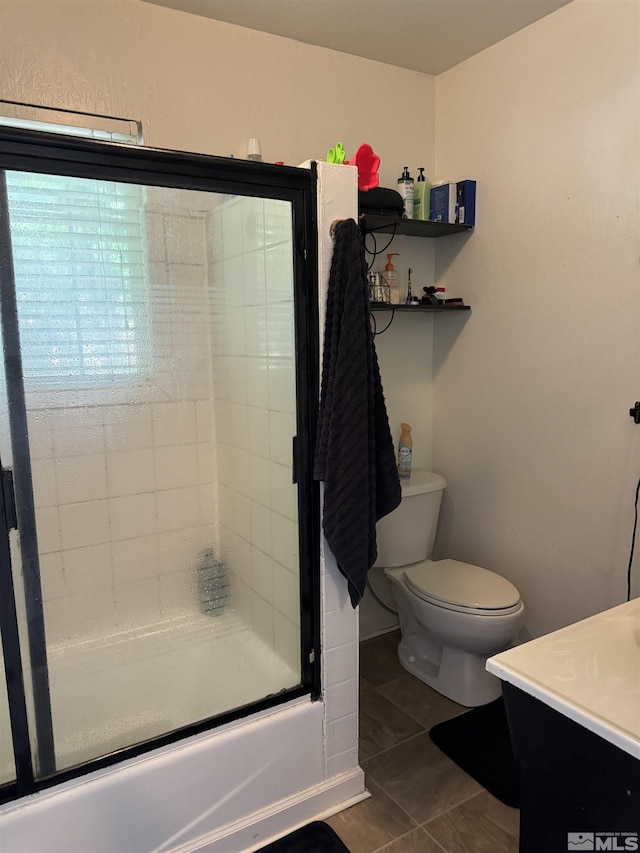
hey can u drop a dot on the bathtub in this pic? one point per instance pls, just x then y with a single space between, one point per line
116 691
230 789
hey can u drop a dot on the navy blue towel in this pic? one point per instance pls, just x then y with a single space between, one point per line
354 449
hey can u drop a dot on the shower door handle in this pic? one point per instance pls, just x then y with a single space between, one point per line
294 462
8 499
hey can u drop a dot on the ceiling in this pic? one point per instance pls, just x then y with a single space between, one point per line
422 35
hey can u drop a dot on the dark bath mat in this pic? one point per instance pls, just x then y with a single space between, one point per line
316 837
479 742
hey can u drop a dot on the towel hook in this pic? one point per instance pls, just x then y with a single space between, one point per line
333 226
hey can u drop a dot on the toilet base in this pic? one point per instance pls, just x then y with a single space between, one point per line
447 649
459 675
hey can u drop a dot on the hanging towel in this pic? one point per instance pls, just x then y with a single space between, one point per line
354 450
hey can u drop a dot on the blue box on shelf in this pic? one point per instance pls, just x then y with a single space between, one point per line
443 203
466 203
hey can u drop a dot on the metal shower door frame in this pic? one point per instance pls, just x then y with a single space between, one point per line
34 151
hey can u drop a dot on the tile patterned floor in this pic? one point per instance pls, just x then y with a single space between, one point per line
421 801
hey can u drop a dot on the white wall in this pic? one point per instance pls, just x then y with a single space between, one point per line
532 393
204 85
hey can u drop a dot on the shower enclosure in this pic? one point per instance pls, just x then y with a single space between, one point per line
158 521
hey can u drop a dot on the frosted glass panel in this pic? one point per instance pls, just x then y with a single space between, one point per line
158 350
255 401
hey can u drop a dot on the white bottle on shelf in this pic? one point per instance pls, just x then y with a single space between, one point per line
405 188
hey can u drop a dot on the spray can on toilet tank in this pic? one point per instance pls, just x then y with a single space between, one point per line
405 451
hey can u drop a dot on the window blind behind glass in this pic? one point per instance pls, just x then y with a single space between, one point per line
80 278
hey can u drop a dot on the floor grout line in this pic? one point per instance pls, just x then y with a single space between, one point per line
399 743
388 844
396 803
451 808
399 707
433 817
435 840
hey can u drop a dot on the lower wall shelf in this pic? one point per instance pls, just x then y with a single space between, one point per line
420 308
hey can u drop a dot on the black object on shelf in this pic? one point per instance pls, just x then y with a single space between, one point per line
381 202
420 308
409 227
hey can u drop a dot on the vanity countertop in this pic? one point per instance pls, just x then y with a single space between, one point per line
589 671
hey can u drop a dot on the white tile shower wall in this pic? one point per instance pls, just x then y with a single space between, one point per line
339 669
337 194
251 292
124 486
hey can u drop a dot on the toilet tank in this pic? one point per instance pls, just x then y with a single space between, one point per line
408 533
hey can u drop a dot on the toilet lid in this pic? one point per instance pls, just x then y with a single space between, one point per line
461 585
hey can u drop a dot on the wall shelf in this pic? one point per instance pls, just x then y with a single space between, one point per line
420 308
370 222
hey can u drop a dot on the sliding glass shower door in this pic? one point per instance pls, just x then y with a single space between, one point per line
156 375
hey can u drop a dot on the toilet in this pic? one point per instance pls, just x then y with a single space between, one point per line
453 615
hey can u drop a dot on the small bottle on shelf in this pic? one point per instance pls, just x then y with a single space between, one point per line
392 280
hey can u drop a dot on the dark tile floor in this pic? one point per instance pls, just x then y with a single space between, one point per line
421 801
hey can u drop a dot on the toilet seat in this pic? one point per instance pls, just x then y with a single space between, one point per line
462 587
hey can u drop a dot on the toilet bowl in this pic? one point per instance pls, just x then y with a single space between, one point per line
453 615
